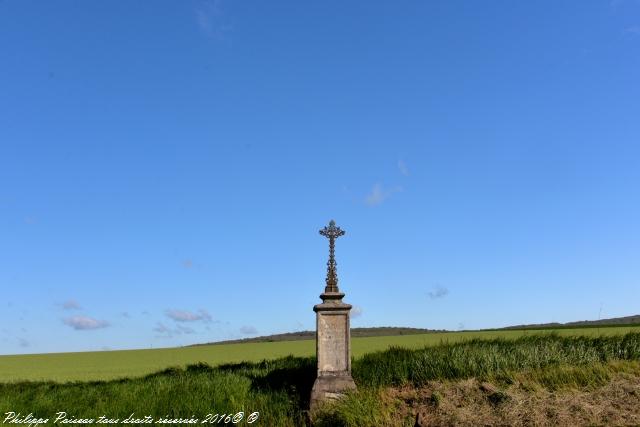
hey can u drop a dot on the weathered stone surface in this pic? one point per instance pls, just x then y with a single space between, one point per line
332 342
333 337
330 387
333 349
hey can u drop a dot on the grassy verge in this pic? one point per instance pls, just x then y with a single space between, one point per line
600 394
109 365
269 387
279 389
477 358
529 363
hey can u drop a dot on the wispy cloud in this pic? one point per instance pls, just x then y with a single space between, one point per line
188 316
187 263
161 328
356 311
379 194
635 30
22 342
438 292
185 329
248 330
70 304
615 3
163 331
80 323
402 166
210 18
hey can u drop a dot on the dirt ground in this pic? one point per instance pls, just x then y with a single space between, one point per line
475 403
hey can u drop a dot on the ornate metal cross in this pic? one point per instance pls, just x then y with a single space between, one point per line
332 233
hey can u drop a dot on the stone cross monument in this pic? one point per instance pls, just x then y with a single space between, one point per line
333 337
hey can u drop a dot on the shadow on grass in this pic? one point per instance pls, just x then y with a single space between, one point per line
293 375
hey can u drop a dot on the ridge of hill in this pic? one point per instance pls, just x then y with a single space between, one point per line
614 321
308 335
391 331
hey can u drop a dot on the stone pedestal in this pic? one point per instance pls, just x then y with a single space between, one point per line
333 349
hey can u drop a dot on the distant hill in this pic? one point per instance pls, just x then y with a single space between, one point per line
390 331
614 321
308 335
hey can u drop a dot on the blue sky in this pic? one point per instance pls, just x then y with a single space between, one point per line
165 166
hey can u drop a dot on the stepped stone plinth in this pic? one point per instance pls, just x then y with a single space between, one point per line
333 337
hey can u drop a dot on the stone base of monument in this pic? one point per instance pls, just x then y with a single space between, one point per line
330 387
333 348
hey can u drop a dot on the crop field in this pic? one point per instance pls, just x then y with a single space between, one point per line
568 379
106 365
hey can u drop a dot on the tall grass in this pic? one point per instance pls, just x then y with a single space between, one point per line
279 389
110 365
480 358
269 387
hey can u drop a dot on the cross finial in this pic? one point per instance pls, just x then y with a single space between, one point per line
332 233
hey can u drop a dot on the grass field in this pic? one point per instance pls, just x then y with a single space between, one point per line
389 383
107 365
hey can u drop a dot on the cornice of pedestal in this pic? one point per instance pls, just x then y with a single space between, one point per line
332 296
332 301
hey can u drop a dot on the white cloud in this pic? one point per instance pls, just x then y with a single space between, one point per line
633 30
161 328
188 316
70 304
379 194
248 330
438 292
166 332
84 323
403 168
210 18
163 331
185 329
356 311
22 342
618 3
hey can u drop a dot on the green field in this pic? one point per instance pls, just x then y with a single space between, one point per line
498 373
104 365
